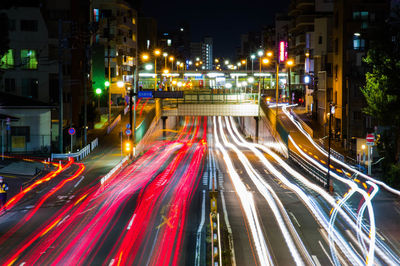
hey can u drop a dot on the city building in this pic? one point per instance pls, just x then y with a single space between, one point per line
114 48
201 53
148 34
353 25
25 125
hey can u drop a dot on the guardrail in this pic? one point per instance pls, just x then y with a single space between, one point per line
77 155
305 126
113 124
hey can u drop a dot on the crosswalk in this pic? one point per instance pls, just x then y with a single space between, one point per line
212 176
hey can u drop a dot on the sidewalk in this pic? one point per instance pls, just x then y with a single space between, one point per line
25 168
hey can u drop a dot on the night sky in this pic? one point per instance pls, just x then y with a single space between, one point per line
224 20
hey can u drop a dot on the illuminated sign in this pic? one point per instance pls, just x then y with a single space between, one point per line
282 51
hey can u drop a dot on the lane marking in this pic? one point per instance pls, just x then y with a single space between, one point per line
294 217
316 261
326 253
198 235
80 180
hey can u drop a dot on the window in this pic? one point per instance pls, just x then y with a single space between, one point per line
7 61
336 46
320 40
364 16
134 37
29 25
29 59
133 21
358 43
96 15
364 25
9 85
356 15
30 88
21 131
12 25
53 88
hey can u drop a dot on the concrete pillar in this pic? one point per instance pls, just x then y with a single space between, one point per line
164 125
256 118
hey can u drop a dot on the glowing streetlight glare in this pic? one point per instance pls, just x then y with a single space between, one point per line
197 59
243 62
120 84
148 67
165 54
165 71
253 56
226 62
145 57
363 146
250 80
107 83
174 82
269 53
260 53
239 64
290 62
244 83
98 91
228 85
179 84
265 60
157 52
171 58
216 60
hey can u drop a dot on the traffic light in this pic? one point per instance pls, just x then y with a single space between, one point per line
128 146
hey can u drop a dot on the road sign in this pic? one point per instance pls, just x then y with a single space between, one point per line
128 132
168 94
145 94
71 131
370 139
128 125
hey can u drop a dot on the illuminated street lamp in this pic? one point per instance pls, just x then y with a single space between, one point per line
148 67
171 59
165 57
98 92
252 57
290 64
145 57
157 52
120 84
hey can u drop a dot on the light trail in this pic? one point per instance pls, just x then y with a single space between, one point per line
247 202
272 200
384 185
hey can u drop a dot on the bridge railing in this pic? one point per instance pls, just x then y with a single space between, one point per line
77 155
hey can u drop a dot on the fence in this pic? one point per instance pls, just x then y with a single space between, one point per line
77 155
113 124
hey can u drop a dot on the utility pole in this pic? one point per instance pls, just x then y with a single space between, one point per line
109 70
328 177
60 86
277 88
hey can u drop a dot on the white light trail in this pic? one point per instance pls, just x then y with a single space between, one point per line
247 201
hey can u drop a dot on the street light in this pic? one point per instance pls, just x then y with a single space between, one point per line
290 63
120 84
145 57
171 59
329 186
165 57
148 67
252 57
98 92
157 52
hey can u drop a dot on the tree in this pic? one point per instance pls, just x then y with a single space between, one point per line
382 94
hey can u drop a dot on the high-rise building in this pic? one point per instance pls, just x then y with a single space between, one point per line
207 53
353 25
114 47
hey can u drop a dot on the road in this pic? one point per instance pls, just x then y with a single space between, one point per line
155 209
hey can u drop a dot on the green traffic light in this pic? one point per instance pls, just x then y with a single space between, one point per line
106 83
98 91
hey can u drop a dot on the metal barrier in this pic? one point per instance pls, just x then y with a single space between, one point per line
305 126
113 124
77 155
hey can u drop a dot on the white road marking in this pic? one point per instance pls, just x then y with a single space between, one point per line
80 180
233 259
294 218
326 253
316 261
130 222
198 235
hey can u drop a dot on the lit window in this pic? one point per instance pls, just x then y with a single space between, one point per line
356 15
364 16
29 59
133 21
358 43
134 37
7 61
96 15
169 42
